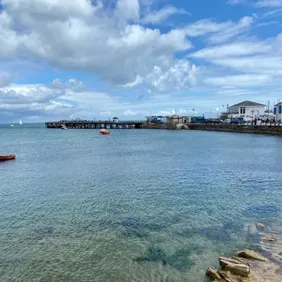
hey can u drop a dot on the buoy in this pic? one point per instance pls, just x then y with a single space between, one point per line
19 141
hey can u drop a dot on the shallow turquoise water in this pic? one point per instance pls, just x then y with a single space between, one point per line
138 205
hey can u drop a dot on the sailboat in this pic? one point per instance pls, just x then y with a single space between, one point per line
20 122
11 124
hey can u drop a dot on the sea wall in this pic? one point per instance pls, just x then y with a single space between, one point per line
257 129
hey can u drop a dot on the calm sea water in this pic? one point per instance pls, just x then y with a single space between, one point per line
138 205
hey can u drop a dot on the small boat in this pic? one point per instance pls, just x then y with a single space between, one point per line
7 158
104 132
63 126
20 122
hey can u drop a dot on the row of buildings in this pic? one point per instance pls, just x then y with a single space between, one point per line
247 110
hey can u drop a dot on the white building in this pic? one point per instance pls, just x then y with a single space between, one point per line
247 110
278 112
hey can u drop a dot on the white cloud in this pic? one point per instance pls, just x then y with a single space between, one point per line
232 49
111 44
243 25
5 79
71 84
239 80
134 83
236 2
218 32
129 113
269 3
174 78
115 43
156 17
128 9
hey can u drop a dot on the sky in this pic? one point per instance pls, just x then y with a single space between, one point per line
62 59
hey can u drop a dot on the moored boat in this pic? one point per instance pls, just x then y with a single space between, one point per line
104 132
7 158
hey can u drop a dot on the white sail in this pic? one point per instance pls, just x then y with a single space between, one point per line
20 122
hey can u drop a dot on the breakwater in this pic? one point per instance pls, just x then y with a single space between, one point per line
88 124
256 129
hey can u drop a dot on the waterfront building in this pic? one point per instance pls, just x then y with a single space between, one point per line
174 119
278 112
157 119
248 110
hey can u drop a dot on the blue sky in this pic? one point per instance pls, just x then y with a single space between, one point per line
132 58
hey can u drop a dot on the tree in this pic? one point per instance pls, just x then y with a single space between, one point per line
224 116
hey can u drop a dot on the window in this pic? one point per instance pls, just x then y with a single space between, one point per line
280 109
274 111
242 110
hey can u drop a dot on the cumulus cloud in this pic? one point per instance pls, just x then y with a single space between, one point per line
78 35
123 45
30 99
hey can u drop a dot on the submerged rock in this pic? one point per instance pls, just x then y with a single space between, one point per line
249 254
269 238
213 274
260 226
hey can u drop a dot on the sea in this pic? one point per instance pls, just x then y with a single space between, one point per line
136 205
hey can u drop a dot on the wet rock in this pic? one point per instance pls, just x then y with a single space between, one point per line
238 269
213 274
249 254
260 226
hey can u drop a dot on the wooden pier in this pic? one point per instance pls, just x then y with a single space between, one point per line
88 124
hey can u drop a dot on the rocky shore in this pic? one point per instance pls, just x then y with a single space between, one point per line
261 265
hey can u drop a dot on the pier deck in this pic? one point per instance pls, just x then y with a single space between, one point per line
87 124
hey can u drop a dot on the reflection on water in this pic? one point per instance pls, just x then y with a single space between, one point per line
138 205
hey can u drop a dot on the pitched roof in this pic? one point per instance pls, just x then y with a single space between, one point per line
247 104
278 104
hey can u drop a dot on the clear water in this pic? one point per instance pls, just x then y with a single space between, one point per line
137 205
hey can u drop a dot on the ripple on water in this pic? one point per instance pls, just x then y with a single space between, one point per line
141 205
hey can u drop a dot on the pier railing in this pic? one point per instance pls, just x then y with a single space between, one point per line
94 124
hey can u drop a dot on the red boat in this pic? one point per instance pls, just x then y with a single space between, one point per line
7 158
104 132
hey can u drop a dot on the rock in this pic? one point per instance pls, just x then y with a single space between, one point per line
249 254
213 274
260 225
269 238
241 260
224 276
238 269
224 261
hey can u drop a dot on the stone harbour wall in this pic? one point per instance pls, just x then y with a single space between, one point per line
255 129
